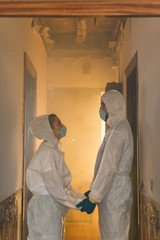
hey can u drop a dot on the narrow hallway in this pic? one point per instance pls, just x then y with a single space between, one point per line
63 65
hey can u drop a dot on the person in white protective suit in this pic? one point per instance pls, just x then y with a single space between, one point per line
49 179
111 187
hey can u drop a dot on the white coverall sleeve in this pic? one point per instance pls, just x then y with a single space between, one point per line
108 167
75 193
55 185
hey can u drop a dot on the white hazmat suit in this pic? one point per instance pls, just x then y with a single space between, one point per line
49 179
111 186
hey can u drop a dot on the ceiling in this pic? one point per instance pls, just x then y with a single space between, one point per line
78 36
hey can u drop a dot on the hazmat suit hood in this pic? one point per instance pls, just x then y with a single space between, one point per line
114 102
40 128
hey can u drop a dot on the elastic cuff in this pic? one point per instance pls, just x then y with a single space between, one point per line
91 201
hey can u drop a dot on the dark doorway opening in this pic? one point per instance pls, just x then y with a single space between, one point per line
132 114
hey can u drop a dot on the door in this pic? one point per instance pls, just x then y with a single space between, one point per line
29 144
132 113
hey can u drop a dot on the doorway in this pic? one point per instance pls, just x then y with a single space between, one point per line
30 79
132 115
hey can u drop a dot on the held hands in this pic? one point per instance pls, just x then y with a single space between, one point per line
87 204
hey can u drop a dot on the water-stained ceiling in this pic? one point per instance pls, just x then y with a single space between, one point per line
78 36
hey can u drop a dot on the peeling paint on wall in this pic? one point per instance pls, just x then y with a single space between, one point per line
149 219
10 217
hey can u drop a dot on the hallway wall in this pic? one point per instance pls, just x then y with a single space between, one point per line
16 38
80 72
142 35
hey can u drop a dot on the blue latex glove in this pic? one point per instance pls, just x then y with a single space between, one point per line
87 206
86 193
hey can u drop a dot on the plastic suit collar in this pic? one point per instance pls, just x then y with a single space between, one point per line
40 128
115 105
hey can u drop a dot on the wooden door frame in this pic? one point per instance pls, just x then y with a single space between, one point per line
79 8
28 67
133 64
